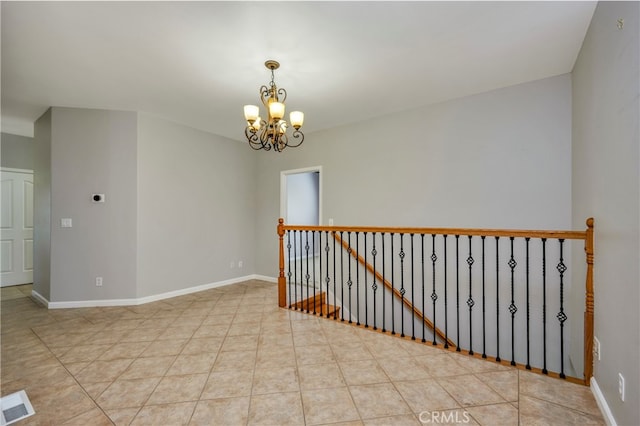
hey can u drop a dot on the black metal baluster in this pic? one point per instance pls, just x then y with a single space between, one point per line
341 277
544 306
458 293
470 301
393 314
402 290
434 295
357 283
366 298
384 330
562 317
484 329
295 271
424 313
413 320
497 299
289 264
446 311
349 282
327 279
374 286
326 266
528 366
313 266
512 307
301 275
307 276
313 263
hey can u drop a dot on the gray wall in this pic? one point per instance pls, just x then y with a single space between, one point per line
606 184
42 206
196 207
179 210
18 152
495 160
93 151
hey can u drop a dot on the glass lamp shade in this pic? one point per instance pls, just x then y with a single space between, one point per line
276 110
251 112
256 124
296 118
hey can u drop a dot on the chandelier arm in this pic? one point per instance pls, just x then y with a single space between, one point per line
264 96
269 139
258 139
252 138
297 134
265 145
283 142
282 93
264 135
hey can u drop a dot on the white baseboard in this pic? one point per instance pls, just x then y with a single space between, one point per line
264 278
39 298
146 299
602 403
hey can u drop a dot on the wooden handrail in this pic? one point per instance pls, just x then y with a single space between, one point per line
396 292
518 233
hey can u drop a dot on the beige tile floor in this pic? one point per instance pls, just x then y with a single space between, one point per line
230 356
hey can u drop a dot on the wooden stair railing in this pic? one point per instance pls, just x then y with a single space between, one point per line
416 312
586 236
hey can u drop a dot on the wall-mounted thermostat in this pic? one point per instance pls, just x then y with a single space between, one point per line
97 198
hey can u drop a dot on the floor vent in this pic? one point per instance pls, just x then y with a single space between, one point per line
15 407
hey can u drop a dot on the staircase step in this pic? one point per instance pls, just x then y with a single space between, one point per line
309 303
319 303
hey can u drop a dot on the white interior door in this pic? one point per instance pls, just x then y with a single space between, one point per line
16 227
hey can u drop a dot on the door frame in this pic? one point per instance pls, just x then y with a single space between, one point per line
284 193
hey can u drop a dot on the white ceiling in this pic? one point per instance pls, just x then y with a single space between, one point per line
198 63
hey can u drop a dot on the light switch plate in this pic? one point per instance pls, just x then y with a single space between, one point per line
66 222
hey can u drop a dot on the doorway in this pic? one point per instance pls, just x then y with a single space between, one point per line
301 197
16 227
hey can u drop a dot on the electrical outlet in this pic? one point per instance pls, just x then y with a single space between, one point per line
621 386
98 281
240 264
596 349
231 265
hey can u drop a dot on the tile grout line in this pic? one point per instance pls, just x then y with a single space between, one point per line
195 406
293 340
349 386
72 376
139 409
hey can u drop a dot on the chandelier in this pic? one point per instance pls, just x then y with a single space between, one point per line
272 132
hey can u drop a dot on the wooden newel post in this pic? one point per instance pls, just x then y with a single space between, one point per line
282 287
588 313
